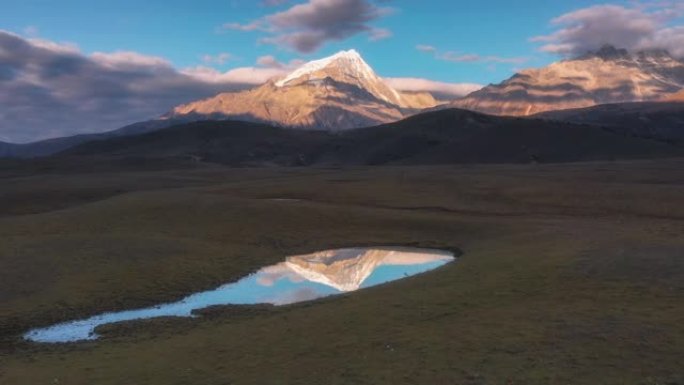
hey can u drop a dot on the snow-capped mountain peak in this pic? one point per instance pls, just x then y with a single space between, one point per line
345 67
351 61
335 93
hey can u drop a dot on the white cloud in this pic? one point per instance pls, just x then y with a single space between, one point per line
51 45
444 89
241 75
129 59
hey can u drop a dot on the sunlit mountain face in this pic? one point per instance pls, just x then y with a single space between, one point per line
609 75
335 93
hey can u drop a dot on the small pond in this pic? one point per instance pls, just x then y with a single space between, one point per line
299 278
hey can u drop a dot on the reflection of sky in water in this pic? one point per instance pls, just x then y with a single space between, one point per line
388 273
277 284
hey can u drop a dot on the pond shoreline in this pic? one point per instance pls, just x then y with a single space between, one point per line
301 278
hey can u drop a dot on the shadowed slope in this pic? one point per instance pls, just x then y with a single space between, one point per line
441 137
657 120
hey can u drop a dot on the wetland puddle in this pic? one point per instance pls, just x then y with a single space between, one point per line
299 278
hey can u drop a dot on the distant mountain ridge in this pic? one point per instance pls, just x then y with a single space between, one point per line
52 146
662 121
449 136
607 76
335 93
343 92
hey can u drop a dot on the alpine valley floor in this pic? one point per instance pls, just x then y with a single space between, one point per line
570 274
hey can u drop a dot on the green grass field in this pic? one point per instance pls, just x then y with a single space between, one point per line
570 274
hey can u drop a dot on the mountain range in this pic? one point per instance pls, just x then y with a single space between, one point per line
609 75
52 146
636 95
662 121
448 136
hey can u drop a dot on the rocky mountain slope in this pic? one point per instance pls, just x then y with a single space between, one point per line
608 76
335 93
677 97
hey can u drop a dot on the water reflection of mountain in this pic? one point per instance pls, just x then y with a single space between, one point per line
299 278
346 269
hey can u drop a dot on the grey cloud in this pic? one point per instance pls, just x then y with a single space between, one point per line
306 27
643 26
305 42
670 38
7 73
49 90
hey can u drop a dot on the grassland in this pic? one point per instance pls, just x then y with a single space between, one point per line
571 274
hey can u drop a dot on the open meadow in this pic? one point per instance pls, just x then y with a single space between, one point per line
568 274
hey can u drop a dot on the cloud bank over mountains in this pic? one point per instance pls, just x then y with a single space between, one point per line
50 89
441 90
643 26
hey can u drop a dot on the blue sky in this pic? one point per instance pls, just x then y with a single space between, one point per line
78 66
183 32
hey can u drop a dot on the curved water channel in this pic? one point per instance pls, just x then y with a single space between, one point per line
299 278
